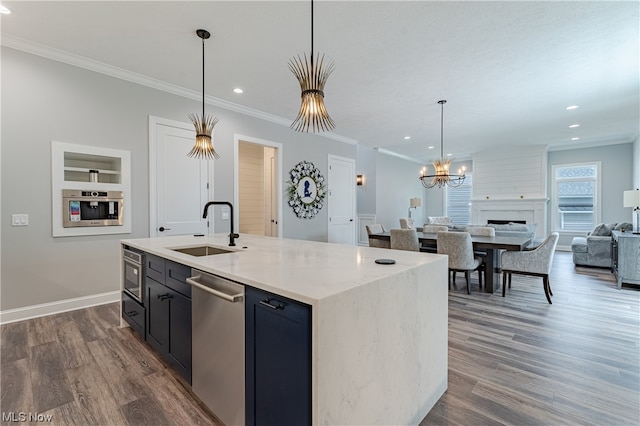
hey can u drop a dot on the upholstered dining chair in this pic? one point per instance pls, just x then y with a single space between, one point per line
376 228
485 231
406 223
432 229
481 230
458 246
404 239
536 262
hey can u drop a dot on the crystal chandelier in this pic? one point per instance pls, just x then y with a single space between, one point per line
312 77
204 124
441 176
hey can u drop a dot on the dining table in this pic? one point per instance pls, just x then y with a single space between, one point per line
491 245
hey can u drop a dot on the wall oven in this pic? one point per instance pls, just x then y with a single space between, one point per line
91 208
133 273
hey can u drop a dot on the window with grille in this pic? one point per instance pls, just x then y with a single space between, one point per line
575 196
459 202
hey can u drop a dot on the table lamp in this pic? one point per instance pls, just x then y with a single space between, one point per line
413 203
632 199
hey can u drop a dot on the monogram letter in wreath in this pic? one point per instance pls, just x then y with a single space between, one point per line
306 190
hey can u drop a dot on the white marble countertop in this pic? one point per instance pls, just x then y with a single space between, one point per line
306 271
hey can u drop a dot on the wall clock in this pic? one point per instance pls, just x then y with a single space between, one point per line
307 190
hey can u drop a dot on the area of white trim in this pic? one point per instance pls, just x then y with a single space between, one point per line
44 309
143 80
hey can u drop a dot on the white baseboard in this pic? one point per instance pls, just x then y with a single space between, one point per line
44 309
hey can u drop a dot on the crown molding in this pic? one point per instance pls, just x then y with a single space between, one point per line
37 49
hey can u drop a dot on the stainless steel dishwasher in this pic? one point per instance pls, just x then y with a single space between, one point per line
218 345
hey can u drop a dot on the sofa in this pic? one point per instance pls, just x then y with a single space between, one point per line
594 249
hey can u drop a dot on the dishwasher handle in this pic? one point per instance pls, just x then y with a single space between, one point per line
233 298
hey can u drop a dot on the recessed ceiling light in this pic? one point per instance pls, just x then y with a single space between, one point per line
575 139
430 147
573 126
238 90
407 137
572 107
4 10
448 155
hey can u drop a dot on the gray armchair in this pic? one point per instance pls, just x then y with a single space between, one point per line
595 248
535 262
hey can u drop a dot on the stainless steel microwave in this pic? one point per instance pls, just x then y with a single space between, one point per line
92 208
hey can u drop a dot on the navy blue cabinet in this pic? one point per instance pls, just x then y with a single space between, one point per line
168 313
278 360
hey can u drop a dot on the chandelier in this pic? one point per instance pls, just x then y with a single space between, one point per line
204 124
441 176
312 77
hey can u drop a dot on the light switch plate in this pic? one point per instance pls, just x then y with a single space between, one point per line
225 215
19 219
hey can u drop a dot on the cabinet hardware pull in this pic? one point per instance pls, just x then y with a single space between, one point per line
162 297
267 303
132 313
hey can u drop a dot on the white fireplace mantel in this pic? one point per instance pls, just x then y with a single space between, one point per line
531 210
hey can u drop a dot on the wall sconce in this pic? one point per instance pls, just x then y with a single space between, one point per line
413 203
359 180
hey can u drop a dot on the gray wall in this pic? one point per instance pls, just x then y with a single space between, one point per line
617 176
44 100
397 182
366 165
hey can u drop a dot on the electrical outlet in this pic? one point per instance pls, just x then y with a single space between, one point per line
225 215
19 220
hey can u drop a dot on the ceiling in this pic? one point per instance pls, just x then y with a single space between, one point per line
508 70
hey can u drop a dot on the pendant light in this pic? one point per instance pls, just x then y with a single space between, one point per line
441 165
204 124
312 76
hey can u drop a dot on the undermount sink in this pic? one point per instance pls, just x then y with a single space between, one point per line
202 250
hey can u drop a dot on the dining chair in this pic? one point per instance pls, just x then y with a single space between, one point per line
404 239
432 229
536 262
406 223
459 248
481 230
376 228
485 231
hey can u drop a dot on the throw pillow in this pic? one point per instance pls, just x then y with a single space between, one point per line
601 230
624 227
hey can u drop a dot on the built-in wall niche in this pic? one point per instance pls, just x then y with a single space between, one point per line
89 169
79 167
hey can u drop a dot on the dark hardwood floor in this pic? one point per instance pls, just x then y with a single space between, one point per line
512 361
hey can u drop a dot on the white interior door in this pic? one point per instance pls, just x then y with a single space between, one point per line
178 184
341 203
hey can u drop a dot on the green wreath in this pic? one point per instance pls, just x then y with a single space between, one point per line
307 190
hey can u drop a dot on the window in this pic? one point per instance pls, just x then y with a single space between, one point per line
575 196
459 202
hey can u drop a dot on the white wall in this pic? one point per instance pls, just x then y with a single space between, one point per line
45 100
510 174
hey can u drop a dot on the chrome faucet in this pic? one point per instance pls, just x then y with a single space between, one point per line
232 235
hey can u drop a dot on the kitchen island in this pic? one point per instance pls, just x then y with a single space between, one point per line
378 332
